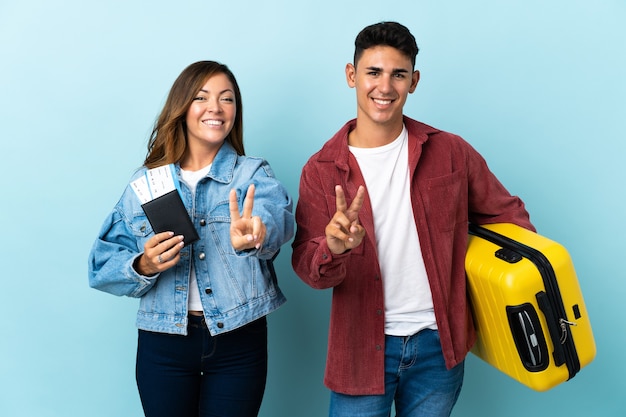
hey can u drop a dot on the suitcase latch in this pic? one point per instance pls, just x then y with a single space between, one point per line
508 255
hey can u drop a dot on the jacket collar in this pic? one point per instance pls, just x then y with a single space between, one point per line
223 166
336 149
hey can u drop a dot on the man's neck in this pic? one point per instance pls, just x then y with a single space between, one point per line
373 135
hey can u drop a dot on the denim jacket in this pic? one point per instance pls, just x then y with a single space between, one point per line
236 287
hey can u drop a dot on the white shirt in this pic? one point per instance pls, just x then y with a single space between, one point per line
408 299
191 178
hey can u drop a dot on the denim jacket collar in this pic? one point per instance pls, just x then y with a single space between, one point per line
223 167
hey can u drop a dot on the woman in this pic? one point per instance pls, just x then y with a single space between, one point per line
202 342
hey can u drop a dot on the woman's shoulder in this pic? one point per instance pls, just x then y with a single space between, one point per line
256 163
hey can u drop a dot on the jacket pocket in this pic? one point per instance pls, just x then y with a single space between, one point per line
140 228
445 200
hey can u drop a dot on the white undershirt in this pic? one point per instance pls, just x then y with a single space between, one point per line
408 300
191 178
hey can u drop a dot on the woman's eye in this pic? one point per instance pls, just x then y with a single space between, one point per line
228 99
199 99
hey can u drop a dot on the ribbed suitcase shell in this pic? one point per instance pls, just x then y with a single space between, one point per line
504 299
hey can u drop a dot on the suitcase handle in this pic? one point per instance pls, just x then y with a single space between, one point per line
553 328
528 337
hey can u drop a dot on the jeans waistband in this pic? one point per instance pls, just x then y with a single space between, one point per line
196 321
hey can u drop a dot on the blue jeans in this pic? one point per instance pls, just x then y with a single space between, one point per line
202 375
416 378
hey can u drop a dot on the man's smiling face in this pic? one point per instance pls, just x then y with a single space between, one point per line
383 78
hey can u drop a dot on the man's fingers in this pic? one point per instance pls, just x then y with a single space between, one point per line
340 199
340 227
357 203
341 237
336 231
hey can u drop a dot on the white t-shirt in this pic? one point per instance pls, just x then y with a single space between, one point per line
408 299
191 178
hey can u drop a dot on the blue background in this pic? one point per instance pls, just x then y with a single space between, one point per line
537 87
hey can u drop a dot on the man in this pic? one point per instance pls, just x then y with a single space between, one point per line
382 219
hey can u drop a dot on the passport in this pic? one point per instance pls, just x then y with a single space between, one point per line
158 193
167 213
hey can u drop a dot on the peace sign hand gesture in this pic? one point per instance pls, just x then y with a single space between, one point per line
344 232
246 231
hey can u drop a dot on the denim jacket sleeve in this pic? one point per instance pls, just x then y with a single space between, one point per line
272 204
119 243
126 229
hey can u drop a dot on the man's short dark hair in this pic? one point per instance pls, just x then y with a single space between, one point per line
386 34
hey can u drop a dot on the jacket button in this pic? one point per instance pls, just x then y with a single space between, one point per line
324 256
220 325
208 291
379 312
201 256
202 222
379 347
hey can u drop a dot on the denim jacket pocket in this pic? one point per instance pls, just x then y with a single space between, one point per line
218 223
141 228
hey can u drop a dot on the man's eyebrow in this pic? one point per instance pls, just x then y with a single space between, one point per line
394 71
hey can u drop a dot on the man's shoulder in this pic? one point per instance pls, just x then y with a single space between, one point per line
417 128
334 147
427 132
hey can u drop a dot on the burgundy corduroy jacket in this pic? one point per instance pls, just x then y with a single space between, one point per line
450 185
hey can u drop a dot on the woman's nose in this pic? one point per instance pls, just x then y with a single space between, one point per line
213 106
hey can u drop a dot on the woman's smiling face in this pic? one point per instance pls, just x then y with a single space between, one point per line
211 115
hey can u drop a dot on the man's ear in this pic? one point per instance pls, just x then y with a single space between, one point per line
415 78
350 75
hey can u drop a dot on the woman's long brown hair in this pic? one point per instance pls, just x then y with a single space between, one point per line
168 141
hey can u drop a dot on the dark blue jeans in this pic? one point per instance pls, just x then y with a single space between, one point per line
416 380
200 375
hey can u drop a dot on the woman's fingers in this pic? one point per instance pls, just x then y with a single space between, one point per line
162 251
246 231
248 202
233 206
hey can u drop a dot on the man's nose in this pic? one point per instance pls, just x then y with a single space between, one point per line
384 84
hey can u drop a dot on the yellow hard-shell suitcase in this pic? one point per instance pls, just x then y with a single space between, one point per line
529 312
